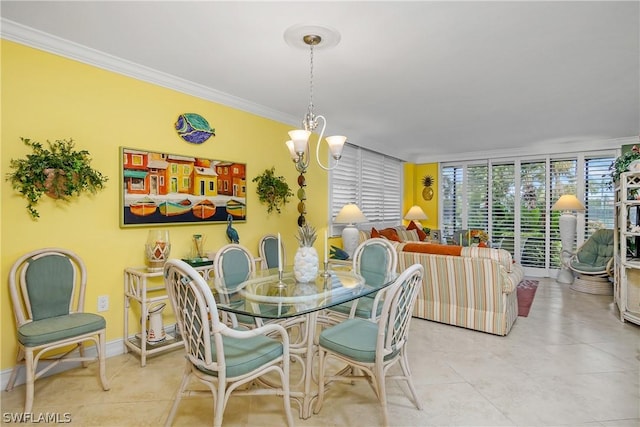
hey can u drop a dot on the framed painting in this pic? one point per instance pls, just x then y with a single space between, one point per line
163 189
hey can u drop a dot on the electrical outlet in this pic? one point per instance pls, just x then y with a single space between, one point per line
103 303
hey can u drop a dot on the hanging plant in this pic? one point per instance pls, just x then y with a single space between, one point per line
272 190
58 171
621 164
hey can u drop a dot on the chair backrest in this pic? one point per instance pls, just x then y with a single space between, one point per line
598 249
233 264
196 314
268 250
46 283
399 300
374 259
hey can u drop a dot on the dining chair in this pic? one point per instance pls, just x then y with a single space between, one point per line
374 259
371 348
47 288
220 357
233 264
268 250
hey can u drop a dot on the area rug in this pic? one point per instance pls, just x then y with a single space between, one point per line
526 291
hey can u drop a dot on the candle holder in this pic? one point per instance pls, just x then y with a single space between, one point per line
325 274
281 284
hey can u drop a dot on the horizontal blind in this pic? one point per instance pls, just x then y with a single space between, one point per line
372 181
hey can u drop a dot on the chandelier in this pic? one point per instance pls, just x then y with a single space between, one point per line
298 144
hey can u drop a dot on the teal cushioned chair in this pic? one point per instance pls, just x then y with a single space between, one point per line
218 356
371 347
47 289
268 250
374 259
592 263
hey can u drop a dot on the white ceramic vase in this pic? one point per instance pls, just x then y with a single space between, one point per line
305 264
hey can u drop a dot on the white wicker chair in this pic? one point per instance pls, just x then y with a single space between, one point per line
47 289
370 348
218 356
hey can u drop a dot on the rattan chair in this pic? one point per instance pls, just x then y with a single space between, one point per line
220 357
268 250
371 348
47 289
374 259
592 263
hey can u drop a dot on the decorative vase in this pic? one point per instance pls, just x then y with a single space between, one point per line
305 264
157 249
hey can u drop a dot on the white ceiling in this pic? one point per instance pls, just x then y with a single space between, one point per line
422 81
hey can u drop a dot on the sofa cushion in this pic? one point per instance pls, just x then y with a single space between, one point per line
421 234
500 255
432 248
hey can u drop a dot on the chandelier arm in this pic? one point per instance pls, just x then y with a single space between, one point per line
324 125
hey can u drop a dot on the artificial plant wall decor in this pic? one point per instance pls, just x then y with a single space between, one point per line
272 190
58 171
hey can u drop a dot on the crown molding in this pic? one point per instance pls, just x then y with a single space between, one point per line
543 148
31 37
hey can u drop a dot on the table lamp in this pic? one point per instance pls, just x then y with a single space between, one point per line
416 214
350 214
567 224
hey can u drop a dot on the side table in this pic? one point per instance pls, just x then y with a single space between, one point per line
137 290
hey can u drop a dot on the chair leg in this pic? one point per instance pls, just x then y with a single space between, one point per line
81 350
176 401
219 404
286 396
30 374
16 368
102 355
321 354
404 364
382 392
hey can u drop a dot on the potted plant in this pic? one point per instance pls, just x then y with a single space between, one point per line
621 164
58 171
272 190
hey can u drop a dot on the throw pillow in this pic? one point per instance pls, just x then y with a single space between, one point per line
421 234
433 248
375 233
390 234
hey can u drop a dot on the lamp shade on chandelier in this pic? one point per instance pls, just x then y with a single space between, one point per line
298 143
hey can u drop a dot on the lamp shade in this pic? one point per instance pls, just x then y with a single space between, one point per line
350 214
415 214
568 202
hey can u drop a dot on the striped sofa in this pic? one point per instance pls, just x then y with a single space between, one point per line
475 290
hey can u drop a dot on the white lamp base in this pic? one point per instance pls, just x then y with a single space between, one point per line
350 236
567 225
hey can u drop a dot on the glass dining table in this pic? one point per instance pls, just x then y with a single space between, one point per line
299 307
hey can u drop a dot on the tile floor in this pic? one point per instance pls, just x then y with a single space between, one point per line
570 363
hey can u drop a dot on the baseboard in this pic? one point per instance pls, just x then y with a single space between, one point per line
114 348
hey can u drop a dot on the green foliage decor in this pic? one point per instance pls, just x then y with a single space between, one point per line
272 190
58 171
622 163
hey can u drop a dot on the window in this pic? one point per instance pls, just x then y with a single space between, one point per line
512 200
371 180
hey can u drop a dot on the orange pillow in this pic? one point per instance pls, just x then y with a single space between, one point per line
390 234
375 233
421 234
433 248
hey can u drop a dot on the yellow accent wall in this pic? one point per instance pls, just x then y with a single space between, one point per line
413 174
45 96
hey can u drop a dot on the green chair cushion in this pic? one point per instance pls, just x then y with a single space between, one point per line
245 355
374 265
49 285
596 252
363 310
235 266
271 252
354 338
58 328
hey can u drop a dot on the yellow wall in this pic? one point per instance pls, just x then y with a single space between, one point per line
413 174
49 97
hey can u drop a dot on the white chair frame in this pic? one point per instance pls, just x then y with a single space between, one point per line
201 329
30 356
